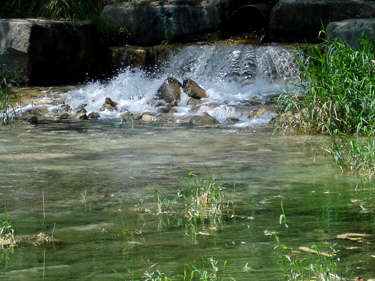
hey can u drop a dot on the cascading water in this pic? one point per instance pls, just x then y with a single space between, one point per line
234 76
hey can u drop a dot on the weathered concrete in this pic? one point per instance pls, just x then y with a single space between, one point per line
145 58
46 52
350 31
302 20
151 23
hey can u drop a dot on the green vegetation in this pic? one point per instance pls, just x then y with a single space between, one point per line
67 9
337 98
63 10
7 99
212 272
317 265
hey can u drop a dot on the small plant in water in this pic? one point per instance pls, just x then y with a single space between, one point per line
322 266
6 230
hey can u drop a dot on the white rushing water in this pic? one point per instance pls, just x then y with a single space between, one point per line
232 75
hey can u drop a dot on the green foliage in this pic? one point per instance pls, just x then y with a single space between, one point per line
337 98
168 37
7 99
191 272
57 9
338 93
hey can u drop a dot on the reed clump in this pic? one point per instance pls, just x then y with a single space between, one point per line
337 98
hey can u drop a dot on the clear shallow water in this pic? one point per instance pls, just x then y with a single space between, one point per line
99 182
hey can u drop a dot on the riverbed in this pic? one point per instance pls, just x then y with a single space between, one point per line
95 191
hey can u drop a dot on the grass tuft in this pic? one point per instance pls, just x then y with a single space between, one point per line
337 98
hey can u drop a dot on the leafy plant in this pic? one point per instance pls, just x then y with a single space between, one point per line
168 37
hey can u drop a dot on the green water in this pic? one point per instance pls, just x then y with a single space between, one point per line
100 205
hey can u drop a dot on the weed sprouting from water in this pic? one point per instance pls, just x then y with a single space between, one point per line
296 265
283 218
200 203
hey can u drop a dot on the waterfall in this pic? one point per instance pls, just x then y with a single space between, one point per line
234 76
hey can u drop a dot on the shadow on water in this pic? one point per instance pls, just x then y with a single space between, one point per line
101 206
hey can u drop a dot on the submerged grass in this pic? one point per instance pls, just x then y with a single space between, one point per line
337 98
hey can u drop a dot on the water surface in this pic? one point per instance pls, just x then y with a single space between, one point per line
100 203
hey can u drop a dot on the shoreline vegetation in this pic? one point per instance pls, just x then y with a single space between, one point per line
337 98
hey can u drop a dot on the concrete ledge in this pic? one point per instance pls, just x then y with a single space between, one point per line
48 52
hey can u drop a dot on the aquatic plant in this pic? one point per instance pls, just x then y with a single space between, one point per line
297 265
7 98
191 272
337 98
6 229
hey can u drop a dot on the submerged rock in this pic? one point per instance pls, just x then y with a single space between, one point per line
148 117
170 90
94 115
167 109
126 114
193 90
64 116
62 108
81 116
203 119
37 112
33 120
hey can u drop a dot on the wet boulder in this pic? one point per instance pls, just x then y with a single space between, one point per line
126 115
148 117
301 20
93 115
170 90
109 105
39 113
203 119
81 116
64 116
193 90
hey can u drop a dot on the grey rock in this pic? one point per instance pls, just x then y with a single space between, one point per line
203 119
170 90
301 20
64 116
193 90
350 31
109 104
93 115
149 23
81 116
50 52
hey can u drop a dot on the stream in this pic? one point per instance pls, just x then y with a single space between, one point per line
109 198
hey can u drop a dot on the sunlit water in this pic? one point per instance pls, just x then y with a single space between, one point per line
232 75
98 183
100 203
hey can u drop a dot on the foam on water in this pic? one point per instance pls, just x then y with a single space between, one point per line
232 76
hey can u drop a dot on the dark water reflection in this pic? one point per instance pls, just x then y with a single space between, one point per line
100 203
